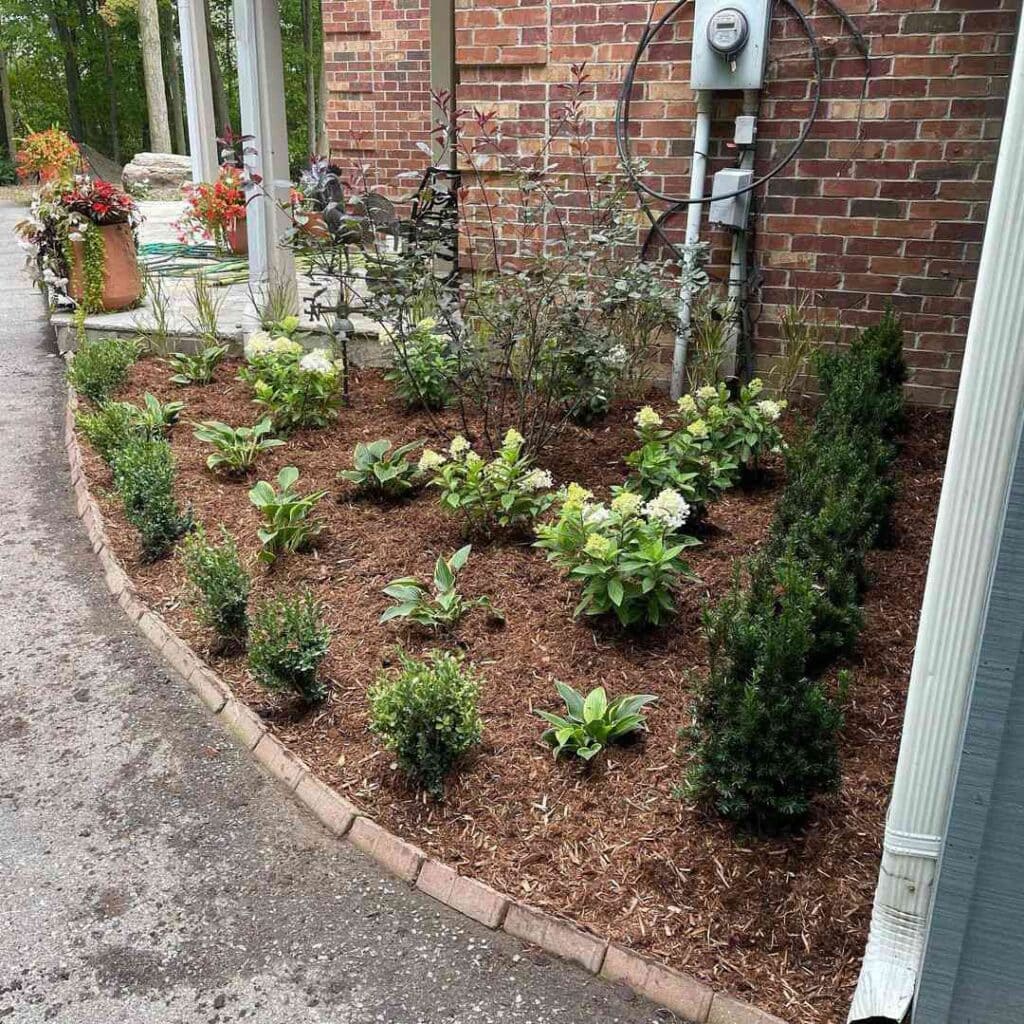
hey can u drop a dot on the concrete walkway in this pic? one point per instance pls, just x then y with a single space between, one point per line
148 871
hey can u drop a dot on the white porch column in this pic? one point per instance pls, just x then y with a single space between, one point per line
982 449
195 59
261 92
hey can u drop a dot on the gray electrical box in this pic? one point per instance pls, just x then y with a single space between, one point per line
734 212
730 44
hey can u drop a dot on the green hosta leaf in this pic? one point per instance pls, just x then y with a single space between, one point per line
573 700
596 704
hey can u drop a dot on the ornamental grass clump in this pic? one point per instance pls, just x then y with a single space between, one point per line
144 478
100 367
508 493
288 640
626 555
764 735
426 711
220 582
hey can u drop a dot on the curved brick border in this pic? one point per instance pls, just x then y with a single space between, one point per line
684 995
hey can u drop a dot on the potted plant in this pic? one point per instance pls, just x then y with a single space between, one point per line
81 234
318 200
215 211
50 155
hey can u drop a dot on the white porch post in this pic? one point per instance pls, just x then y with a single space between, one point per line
982 449
261 93
195 59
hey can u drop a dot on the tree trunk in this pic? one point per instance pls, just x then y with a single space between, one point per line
153 73
221 111
168 44
8 111
113 112
63 31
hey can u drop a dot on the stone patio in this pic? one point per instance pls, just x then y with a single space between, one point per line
237 319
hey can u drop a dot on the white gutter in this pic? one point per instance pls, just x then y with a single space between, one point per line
698 171
982 449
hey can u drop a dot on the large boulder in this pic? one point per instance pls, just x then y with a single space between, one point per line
157 170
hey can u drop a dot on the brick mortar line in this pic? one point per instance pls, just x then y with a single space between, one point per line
681 993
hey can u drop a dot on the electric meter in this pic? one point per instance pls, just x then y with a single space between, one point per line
728 32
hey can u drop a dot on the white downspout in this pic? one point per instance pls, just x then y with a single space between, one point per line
698 171
982 449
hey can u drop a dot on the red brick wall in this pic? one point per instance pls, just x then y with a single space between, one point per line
886 202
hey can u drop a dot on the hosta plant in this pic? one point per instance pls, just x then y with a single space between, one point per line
114 424
626 555
236 448
439 606
286 514
196 367
382 472
156 418
506 493
591 723
288 639
426 712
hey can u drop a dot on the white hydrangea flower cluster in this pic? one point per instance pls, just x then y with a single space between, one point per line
770 410
459 447
537 480
616 357
647 418
627 504
260 344
669 508
707 392
430 460
318 361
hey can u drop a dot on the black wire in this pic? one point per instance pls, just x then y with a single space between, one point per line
622 114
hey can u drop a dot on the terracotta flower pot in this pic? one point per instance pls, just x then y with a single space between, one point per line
122 281
236 235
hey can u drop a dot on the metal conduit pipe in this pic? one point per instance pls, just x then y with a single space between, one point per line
698 171
982 450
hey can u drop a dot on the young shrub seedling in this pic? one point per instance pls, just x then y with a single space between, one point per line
99 368
219 578
288 639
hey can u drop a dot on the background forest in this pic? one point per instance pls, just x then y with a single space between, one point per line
78 64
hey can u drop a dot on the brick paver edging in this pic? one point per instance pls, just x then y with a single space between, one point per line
684 995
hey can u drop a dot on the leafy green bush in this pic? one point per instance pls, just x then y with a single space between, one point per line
424 367
626 555
506 493
114 424
144 478
591 723
196 367
440 609
288 639
236 448
763 735
379 471
426 713
99 368
286 513
219 578
297 389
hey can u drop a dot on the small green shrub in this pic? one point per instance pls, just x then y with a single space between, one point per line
109 428
288 639
507 493
144 478
287 515
424 367
236 448
100 368
440 609
379 471
196 367
426 712
591 723
221 582
626 555
764 736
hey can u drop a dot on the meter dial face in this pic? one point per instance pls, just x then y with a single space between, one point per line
728 31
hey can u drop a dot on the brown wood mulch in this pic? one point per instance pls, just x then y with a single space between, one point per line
779 921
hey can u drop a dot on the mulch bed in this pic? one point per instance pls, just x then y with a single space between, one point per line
779 921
